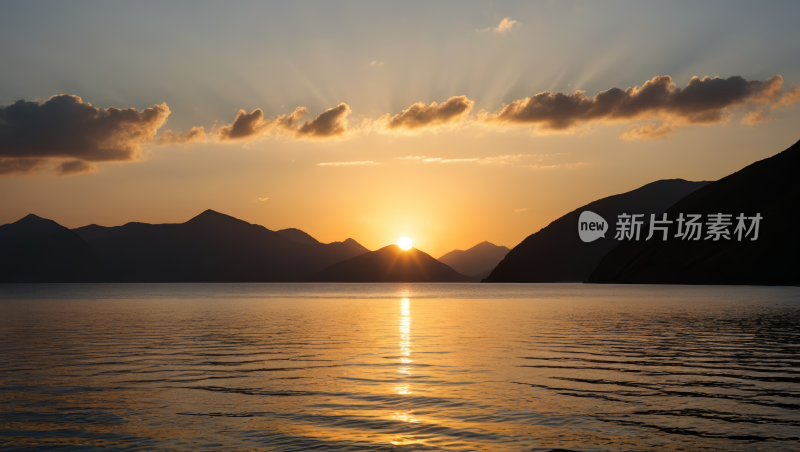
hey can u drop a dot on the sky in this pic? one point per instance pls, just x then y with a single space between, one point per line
447 122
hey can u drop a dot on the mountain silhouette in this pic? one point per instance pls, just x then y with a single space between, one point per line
298 236
35 249
390 264
479 259
556 253
770 188
211 247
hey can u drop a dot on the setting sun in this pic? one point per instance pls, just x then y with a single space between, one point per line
404 243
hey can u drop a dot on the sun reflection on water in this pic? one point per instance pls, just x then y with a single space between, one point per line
405 348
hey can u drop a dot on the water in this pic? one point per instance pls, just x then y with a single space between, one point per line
381 367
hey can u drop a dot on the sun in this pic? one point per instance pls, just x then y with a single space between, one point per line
404 243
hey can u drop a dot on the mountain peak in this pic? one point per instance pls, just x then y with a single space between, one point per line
477 260
37 225
390 264
213 217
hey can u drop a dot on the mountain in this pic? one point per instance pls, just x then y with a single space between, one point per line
211 247
556 253
390 264
481 258
35 249
770 188
298 236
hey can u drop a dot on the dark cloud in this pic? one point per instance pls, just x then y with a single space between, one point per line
20 167
74 167
169 137
66 127
331 123
420 116
244 125
702 101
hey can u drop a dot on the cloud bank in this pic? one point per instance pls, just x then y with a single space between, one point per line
246 126
702 101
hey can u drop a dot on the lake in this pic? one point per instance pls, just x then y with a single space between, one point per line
397 367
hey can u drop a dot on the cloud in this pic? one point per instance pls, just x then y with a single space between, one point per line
20 167
559 165
260 199
376 64
503 27
330 124
500 159
75 167
702 101
195 134
648 132
521 210
788 99
755 117
244 125
420 116
64 126
516 159
441 160
365 162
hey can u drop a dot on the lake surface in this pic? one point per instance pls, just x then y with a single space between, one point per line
396 367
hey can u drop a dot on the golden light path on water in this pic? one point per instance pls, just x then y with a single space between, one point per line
404 327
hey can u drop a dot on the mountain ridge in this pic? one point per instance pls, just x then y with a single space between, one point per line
555 253
767 187
476 260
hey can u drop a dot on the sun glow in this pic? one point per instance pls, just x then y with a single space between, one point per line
404 243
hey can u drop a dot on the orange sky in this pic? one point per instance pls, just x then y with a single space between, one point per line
540 107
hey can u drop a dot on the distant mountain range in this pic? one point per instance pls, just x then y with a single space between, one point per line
211 247
35 249
769 188
477 261
390 264
556 253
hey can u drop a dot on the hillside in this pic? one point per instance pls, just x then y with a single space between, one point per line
481 258
769 188
556 253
